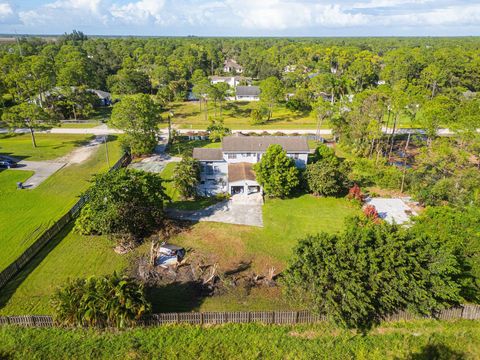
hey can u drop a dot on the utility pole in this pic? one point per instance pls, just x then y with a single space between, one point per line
405 156
106 150
18 44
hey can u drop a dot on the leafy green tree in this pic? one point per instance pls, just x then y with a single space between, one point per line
258 115
326 176
277 173
186 177
435 113
457 229
138 116
371 271
126 204
129 81
217 130
28 115
271 93
100 301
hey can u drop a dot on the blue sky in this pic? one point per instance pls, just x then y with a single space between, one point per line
243 17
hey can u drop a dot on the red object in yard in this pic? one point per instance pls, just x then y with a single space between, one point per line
371 212
355 193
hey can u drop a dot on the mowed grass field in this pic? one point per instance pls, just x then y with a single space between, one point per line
25 214
49 146
420 340
68 256
286 221
236 115
187 115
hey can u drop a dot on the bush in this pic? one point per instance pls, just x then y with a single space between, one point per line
127 204
277 173
103 301
371 271
186 177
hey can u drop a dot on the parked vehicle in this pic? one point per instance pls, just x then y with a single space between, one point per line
7 164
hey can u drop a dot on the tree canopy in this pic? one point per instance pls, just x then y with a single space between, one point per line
126 204
276 172
138 116
370 271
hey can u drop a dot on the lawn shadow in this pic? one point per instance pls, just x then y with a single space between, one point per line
176 297
436 352
11 287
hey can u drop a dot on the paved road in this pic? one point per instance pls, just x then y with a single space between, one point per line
104 130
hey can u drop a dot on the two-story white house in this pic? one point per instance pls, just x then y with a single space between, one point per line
230 168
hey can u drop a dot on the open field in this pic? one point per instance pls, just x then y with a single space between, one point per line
421 340
25 214
49 146
227 245
285 222
236 115
69 255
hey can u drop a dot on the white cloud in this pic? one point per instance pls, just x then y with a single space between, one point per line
74 12
7 14
233 17
285 14
141 11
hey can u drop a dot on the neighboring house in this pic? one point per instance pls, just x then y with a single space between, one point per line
232 81
104 97
231 66
247 93
230 168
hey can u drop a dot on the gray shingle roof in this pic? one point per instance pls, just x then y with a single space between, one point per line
247 91
297 144
207 154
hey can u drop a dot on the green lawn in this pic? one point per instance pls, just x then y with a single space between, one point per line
68 256
25 214
421 340
187 115
186 146
49 146
285 222
85 125
236 115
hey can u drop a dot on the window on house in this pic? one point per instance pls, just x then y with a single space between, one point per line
295 156
232 156
216 169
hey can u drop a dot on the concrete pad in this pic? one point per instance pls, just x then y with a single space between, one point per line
224 212
42 169
392 210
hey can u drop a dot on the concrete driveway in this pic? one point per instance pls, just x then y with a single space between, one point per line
228 212
42 169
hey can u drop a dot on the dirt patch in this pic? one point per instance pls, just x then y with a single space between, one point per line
304 335
83 153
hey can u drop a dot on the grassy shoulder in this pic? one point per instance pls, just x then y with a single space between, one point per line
49 146
84 125
402 340
25 214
